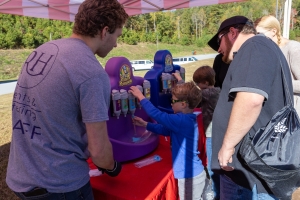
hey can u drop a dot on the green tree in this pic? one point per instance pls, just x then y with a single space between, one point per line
166 28
202 20
182 26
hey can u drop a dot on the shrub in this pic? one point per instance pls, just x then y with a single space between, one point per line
130 40
151 37
292 35
131 37
185 40
297 32
202 41
28 40
143 37
166 39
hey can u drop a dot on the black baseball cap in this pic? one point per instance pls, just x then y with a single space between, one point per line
213 42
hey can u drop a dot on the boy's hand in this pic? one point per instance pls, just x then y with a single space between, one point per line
136 92
177 76
139 121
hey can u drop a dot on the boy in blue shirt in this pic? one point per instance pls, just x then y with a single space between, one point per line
182 127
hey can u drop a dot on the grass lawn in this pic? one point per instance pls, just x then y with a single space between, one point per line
11 61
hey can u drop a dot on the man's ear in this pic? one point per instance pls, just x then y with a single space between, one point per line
104 32
233 33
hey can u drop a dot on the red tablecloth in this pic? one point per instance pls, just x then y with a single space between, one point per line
155 181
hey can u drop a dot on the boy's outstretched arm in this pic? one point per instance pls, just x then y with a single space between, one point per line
155 128
136 92
177 76
161 117
139 121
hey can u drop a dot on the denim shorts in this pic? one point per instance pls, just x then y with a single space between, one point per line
232 191
83 193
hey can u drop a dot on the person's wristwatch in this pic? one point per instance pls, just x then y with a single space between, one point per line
114 172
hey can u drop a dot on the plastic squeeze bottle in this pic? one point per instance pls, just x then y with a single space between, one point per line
138 101
116 98
124 101
146 86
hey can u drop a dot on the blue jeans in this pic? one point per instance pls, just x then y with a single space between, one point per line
232 191
214 177
83 193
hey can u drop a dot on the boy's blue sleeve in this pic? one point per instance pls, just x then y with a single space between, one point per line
158 129
170 121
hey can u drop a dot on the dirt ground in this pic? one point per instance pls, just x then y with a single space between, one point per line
5 192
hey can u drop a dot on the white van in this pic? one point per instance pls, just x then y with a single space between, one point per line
141 64
184 60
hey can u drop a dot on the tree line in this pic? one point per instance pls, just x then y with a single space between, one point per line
183 26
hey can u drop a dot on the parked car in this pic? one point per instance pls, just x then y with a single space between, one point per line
183 60
141 64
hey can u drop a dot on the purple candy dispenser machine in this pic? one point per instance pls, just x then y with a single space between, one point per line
129 141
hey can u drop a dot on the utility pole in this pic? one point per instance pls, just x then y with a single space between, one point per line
276 9
146 27
155 32
287 19
178 27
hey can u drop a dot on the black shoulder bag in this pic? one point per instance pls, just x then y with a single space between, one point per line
273 153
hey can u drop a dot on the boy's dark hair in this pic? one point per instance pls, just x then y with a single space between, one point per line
188 92
94 15
203 74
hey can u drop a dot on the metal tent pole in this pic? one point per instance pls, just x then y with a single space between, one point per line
287 19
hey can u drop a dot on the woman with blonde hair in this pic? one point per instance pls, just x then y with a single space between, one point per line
270 26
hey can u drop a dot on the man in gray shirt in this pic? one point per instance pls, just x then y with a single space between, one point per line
251 95
60 109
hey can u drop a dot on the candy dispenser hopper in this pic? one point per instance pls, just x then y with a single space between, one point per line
162 81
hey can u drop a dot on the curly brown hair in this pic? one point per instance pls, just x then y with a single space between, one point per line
94 15
188 92
203 74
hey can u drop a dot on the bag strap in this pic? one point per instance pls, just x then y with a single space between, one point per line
285 87
287 93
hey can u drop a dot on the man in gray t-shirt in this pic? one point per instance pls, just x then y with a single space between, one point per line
252 93
60 108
